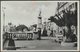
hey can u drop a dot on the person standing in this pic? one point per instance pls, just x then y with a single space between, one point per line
44 32
39 34
48 32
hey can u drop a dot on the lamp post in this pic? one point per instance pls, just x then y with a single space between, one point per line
3 9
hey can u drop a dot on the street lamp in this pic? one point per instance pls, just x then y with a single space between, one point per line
3 9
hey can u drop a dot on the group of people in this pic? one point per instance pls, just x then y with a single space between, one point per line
44 32
66 32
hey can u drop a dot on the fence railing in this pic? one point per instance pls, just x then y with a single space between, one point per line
17 35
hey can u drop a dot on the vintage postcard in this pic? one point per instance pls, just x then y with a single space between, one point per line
40 25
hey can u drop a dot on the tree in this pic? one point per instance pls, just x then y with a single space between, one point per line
21 27
35 25
69 18
10 23
59 21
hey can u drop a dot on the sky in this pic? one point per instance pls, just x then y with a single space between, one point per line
24 12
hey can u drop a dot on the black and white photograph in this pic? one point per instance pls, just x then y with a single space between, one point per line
39 25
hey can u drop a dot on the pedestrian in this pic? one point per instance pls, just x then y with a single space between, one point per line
51 33
65 33
54 33
48 32
44 32
39 33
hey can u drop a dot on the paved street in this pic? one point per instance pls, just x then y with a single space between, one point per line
45 44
